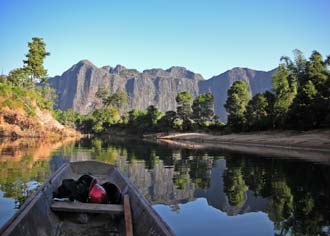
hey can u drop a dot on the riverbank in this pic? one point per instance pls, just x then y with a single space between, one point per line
15 123
316 139
313 145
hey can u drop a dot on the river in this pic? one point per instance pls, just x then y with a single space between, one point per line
198 192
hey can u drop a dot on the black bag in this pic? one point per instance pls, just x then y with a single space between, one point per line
75 190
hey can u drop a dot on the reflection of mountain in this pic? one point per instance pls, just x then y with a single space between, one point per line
217 198
157 184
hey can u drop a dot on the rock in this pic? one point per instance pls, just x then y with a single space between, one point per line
77 86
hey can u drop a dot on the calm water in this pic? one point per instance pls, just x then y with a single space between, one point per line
196 192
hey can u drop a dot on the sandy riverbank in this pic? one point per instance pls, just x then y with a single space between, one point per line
309 140
307 145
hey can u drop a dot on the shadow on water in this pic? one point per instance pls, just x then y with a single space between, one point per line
292 195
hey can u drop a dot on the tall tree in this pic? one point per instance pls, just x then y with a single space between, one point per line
302 112
35 59
153 115
238 98
184 101
203 108
167 121
256 113
285 90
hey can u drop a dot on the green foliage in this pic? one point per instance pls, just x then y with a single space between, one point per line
284 91
16 97
238 98
153 116
281 204
46 97
118 100
137 119
68 117
258 112
178 124
102 93
97 122
234 184
166 122
203 109
35 59
184 102
302 93
302 112
20 77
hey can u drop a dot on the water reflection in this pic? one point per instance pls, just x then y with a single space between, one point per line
291 195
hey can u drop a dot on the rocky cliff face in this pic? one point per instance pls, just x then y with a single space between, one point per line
77 86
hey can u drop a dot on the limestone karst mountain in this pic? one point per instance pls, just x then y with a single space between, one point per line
76 87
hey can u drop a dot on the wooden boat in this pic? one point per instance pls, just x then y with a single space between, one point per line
41 216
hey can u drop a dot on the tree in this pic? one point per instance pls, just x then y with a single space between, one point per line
256 113
319 74
119 100
167 121
302 112
270 98
19 77
302 95
153 115
285 90
203 109
35 59
184 101
238 98
102 94
103 118
68 117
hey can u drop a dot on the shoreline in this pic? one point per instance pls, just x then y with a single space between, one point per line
309 140
310 145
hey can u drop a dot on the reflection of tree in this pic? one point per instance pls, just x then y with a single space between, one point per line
106 154
200 172
181 176
15 176
234 184
299 194
280 206
257 177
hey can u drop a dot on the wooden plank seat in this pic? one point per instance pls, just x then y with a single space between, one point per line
87 207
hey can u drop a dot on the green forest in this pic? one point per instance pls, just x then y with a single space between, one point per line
300 100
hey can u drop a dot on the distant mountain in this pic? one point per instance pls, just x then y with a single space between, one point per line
77 86
258 81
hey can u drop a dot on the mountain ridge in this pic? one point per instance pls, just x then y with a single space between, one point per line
76 87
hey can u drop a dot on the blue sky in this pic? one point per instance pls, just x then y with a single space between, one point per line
204 36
